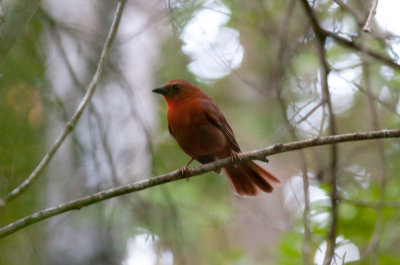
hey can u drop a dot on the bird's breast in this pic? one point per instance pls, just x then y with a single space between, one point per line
195 134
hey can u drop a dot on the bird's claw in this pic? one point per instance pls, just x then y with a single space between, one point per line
236 159
185 172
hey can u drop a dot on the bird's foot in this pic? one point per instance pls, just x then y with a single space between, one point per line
263 159
218 171
236 159
185 172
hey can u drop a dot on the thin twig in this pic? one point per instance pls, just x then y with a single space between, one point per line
299 109
331 241
92 108
374 243
279 73
346 8
387 106
177 174
351 44
326 100
357 47
305 117
371 15
78 113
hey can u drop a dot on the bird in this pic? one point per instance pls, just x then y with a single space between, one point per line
204 134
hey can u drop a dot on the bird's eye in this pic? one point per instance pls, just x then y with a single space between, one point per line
175 87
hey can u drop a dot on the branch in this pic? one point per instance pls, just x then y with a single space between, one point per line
78 113
387 106
326 100
372 12
346 8
374 243
281 63
259 154
322 33
355 46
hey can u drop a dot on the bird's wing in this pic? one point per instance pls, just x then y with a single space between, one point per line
215 116
170 131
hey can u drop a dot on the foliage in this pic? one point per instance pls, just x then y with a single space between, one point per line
274 96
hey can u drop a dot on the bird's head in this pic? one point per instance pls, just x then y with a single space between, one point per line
176 91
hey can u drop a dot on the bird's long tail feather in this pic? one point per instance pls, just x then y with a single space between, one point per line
248 178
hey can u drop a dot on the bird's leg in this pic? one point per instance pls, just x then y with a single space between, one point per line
263 159
236 159
185 170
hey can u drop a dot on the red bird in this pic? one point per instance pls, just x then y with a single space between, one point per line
203 133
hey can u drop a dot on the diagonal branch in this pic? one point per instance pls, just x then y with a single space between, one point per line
371 15
346 8
357 47
322 33
78 113
177 174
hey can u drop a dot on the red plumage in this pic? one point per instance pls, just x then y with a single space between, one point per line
203 133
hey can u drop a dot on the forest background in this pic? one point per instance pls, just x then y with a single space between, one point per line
77 117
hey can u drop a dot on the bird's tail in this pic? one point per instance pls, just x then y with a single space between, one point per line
248 178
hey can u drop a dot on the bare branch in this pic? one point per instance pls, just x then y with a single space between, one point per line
305 117
348 43
372 12
177 174
78 113
355 46
346 8
374 243
92 107
387 106
326 100
280 69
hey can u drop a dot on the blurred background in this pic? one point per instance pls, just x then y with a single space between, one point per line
259 62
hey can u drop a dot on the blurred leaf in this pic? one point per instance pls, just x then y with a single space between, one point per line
16 15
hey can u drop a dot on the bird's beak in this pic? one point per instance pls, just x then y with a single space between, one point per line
160 90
